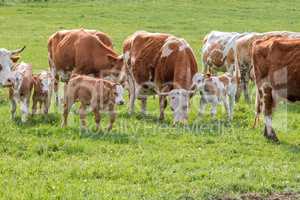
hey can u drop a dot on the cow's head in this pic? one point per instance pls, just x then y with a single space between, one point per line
7 59
118 94
179 103
198 81
46 80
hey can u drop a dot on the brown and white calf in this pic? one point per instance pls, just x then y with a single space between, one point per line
99 94
276 63
42 90
214 90
20 87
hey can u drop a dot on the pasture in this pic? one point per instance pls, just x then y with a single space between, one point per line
142 158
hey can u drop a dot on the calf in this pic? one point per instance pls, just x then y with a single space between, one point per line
216 89
20 86
42 91
99 94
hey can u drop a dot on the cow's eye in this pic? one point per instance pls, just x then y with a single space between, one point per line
173 97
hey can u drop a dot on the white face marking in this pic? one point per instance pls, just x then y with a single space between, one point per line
119 95
198 81
5 65
179 100
46 81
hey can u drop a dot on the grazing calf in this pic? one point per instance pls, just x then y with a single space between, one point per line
216 89
42 91
99 94
20 86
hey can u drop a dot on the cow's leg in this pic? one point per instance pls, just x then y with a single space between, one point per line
258 106
82 115
34 106
232 93
68 102
56 88
97 118
24 109
162 106
227 107
214 104
133 93
112 114
13 108
46 106
143 104
269 132
202 106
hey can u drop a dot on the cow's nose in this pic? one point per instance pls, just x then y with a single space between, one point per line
185 107
121 103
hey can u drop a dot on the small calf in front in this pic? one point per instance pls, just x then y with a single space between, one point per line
214 90
99 94
42 90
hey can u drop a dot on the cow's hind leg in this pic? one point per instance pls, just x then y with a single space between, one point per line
97 118
269 132
143 104
162 106
202 107
258 106
13 108
24 109
82 114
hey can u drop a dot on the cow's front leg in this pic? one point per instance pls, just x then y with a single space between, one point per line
97 118
202 106
24 109
226 106
13 108
258 107
133 93
112 114
269 132
214 104
162 106
34 106
46 106
82 115
143 104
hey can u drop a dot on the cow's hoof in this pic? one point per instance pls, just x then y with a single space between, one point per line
271 136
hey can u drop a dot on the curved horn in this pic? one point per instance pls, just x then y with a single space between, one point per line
17 51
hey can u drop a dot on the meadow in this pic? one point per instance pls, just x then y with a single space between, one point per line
142 158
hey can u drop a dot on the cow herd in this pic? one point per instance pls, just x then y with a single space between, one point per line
157 64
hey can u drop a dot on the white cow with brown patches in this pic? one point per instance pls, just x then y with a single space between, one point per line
214 90
20 87
42 84
218 51
7 61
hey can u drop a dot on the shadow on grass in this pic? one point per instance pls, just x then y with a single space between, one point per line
51 118
291 148
111 136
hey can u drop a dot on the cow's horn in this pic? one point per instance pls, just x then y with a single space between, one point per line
17 51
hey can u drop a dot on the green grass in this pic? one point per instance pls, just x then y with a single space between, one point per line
142 158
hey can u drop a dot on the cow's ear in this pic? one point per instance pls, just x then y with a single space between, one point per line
15 58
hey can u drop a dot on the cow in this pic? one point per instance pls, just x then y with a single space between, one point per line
214 90
83 52
276 64
20 88
243 57
42 91
7 60
218 51
99 94
159 63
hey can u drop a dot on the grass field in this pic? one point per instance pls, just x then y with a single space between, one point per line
142 158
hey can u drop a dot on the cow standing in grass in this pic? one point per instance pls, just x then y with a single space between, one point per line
20 87
42 90
160 64
82 51
276 63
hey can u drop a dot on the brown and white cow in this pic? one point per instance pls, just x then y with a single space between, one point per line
243 56
276 63
214 90
20 87
42 90
100 95
160 64
83 52
218 51
7 60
